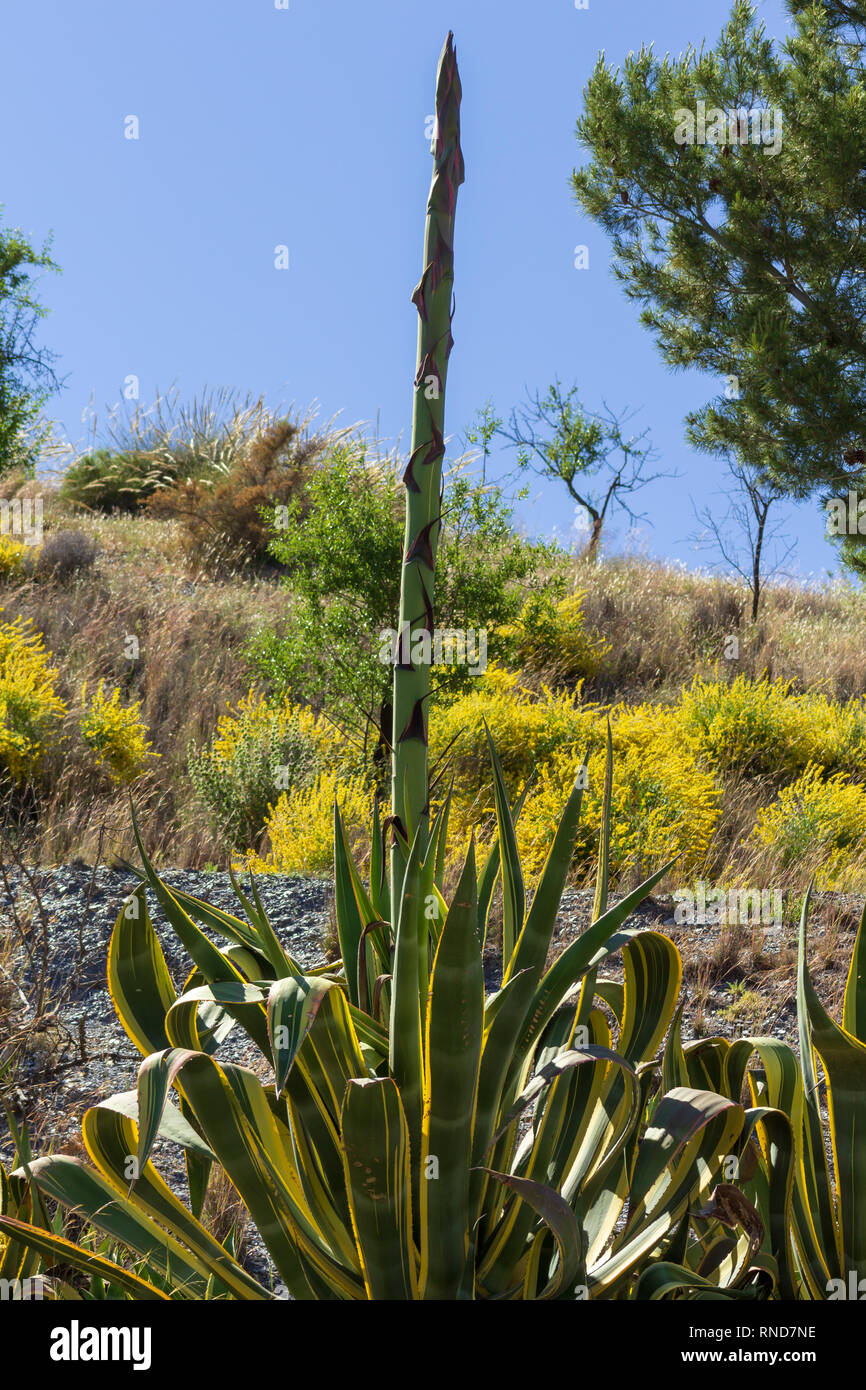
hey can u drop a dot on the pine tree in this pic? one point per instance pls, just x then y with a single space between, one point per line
731 182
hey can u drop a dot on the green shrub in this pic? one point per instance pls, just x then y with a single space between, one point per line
549 640
259 752
342 545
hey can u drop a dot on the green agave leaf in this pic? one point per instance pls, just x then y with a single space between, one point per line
375 1139
501 1026
213 964
455 1020
330 1054
75 1185
675 1071
653 973
772 1189
599 941
661 1279
439 839
854 1008
844 1060
819 1218
601 882
405 1038
272 947
689 1132
56 1249
561 1221
348 898
490 872
139 983
292 1007
111 1138
504 1247
513 891
607 1276
206 1004
230 1107
172 1124
380 897
533 943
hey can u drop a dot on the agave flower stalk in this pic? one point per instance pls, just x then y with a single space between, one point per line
432 298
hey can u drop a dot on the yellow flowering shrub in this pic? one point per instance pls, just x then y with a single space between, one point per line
12 556
664 802
747 726
259 750
671 763
759 727
255 714
838 733
817 821
30 708
526 728
301 825
551 637
115 733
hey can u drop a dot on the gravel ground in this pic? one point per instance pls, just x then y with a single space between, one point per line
83 1054
59 1080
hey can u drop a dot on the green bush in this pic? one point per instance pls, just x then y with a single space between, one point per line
259 751
342 544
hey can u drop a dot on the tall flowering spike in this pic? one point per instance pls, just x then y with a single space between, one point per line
432 298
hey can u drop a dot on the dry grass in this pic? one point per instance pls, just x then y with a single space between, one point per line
225 1214
191 634
666 625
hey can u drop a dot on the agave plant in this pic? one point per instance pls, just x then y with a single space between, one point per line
469 1147
814 1214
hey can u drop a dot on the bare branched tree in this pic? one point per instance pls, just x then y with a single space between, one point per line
741 532
601 465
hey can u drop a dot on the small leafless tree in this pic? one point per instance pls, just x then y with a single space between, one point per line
601 465
741 531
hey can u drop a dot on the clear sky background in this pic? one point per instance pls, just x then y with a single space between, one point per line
306 127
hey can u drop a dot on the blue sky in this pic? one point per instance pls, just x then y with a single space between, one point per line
305 127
